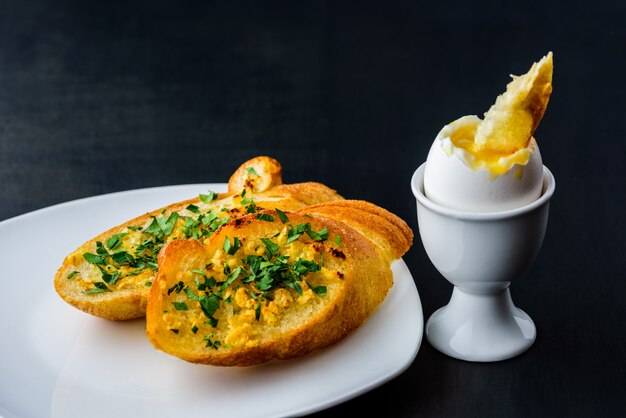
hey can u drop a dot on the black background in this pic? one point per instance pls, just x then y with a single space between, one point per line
98 97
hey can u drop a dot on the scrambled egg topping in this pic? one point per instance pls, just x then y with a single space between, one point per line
127 259
272 274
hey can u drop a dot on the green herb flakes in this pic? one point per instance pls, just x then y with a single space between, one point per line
176 288
115 241
250 205
231 249
265 217
282 216
99 287
297 231
318 290
338 241
207 198
322 235
193 208
123 258
110 277
271 249
180 306
210 343
163 226
93 258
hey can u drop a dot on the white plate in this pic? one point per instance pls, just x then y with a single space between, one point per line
60 362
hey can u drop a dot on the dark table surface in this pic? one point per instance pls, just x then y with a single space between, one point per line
98 97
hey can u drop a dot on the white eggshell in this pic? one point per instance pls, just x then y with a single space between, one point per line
450 182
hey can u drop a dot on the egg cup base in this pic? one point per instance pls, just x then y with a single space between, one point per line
480 327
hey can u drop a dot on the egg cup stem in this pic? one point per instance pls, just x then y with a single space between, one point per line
480 327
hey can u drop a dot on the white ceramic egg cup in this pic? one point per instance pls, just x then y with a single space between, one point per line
481 254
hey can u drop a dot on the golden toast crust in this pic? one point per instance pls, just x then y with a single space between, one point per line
390 233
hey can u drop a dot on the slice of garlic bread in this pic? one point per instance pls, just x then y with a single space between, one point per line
110 275
274 285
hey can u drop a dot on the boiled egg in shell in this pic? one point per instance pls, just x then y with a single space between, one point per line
457 178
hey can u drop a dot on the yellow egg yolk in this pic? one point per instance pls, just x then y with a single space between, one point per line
461 135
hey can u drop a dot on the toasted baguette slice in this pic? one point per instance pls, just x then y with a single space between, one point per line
110 275
509 124
274 286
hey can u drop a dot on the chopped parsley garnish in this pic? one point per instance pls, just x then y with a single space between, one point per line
232 276
162 226
338 241
231 249
99 287
203 226
209 305
93 258
265 217
271 248
176 288
115 241
302 267
318 290
249 205
208 283
123 258
210 343
71 275
251 170
207 198
295 233
180 306
110 277
322 235
193 208
282 216
190 294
